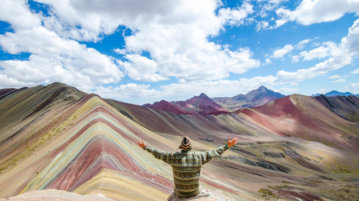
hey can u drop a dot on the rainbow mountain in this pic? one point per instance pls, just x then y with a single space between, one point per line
295 147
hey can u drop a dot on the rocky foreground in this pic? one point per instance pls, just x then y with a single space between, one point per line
56 195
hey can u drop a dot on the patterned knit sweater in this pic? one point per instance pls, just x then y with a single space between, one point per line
186 166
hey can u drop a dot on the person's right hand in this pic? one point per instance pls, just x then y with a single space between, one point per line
141 144
232 142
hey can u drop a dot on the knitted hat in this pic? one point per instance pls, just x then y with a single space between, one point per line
186 144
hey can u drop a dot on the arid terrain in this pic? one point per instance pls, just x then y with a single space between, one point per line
292 148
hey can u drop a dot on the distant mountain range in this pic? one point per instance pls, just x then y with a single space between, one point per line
336 93
254 98
57 137
201 104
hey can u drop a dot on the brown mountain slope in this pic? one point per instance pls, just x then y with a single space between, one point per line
87 146
346 107
28 110
307 118
201 104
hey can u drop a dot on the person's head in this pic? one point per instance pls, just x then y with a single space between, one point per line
185 144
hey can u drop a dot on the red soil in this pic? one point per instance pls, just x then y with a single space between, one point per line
93 158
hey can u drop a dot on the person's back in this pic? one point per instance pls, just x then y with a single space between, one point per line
186 165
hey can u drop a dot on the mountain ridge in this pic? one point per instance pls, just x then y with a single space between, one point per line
84 144
201 104
336 93
253 98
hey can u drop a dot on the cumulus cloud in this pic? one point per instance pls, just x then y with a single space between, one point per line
175 33
183 50
340 56
235 16
120 51
332 63
324 50
355 85
283 51
337 79
317 11
280 53
183 90
142 68
287 90
295 58
18 14
87 20
264 10
52 58
303 43
262 25
356 71
350 43
129 93
174 36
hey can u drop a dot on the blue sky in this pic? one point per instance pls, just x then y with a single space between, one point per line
141 51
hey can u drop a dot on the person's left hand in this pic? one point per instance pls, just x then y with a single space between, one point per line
232 142
141 144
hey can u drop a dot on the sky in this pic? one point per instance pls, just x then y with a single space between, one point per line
141 51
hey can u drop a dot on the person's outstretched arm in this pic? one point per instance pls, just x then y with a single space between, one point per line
208 155
165 156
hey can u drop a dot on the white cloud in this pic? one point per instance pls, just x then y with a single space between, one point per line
317 11
128 93
332 63
142 68
87 20
183 90
287 90
295 58
350 43
356 71
336 78
262 25
340 56
175 33
18 14
339 80
183 50
325 50
302 43
120 51
266 9
299 46
322 91
280 53
268 61
235 16
280 22
52 58
355 85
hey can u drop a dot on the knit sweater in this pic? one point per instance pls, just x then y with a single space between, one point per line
186 166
